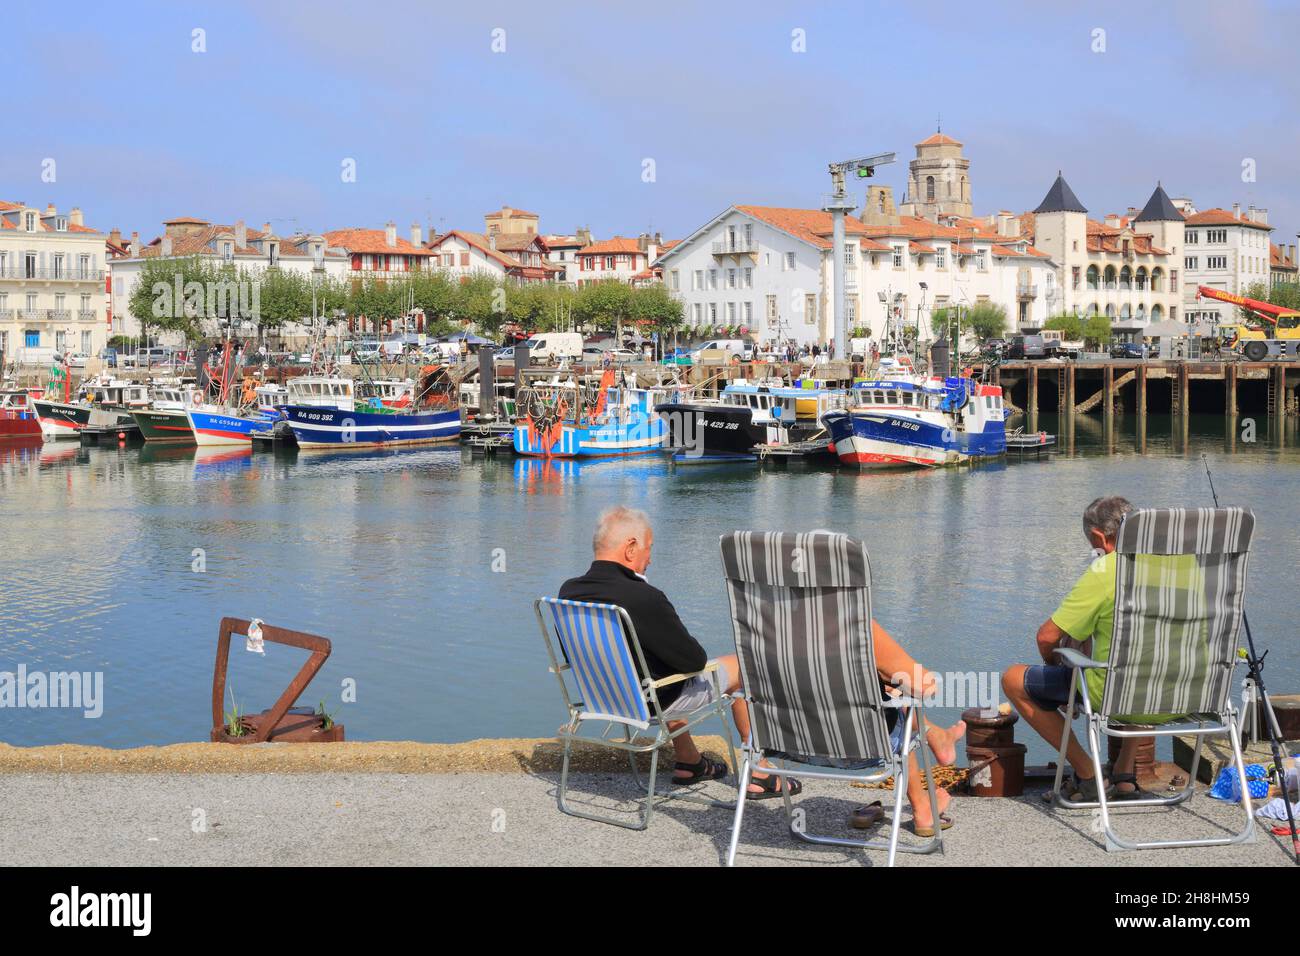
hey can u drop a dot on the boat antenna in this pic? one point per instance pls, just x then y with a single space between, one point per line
1255 668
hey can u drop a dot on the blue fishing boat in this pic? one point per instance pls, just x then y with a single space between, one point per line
335 417
566 422
316 426
908 423
219 425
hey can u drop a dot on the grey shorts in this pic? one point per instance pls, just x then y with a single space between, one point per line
698 692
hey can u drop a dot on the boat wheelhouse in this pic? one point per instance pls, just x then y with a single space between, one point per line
18 418
99 402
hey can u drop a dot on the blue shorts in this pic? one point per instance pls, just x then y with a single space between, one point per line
1048 685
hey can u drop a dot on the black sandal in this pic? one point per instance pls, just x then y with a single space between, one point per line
1137 793
771 788
706 769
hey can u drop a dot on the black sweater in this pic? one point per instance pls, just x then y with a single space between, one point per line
667 645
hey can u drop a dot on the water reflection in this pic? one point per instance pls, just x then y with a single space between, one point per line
420 563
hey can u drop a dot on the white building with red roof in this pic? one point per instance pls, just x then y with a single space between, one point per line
52 283
768 270
519 256
620 258
1223 249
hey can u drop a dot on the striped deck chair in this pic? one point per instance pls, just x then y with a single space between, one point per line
601 655
801 613
1179 590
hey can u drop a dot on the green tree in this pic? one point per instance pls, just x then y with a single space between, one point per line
480 299
1069 325
1096 331
604 305
284 296
987 320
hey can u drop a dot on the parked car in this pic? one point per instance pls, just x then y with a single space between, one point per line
741 348
148 357
1027 347
505 356
76 359
1128 350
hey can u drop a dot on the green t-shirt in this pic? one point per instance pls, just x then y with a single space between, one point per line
1088 611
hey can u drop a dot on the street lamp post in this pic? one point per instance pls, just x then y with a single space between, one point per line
837 204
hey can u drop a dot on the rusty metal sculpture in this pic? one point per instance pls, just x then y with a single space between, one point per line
283 723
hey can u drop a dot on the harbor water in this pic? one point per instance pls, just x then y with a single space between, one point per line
421 566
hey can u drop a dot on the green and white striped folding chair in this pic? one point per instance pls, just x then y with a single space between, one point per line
1180 586
600 653
801 613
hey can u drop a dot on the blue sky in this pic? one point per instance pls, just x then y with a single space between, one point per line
443 129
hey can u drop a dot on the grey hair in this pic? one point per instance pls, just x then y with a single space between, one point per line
1105 515
617 520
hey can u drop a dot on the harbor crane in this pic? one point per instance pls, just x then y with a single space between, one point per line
838 203
1254 342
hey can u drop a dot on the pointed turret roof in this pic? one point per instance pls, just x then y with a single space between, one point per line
1159 208
1060 198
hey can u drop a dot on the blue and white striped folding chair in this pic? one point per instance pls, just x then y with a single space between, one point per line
600 653
1180 588
801 612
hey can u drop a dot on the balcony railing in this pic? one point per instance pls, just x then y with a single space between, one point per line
1026 290
87 315
730 247
30 315
52 275
6 315
59 315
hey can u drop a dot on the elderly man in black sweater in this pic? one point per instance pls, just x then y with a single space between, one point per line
622 545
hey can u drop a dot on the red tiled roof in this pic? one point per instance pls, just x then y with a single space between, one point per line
371 241
920 247
510 209
1012 252
480 242
939 139
1278 259
186 221
1222 217
811 225
616 245
204 242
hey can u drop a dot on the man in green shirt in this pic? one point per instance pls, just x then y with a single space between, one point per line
1085 615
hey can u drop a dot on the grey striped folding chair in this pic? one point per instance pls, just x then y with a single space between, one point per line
1180 584
801 613
601 655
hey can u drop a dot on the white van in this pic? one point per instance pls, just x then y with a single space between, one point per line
544 346
735 346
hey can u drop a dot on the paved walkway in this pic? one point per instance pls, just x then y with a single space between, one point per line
323 819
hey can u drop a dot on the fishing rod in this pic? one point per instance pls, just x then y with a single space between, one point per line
1255 667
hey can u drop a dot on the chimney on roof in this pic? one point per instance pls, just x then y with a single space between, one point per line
1290 253
266 229
115 236
1132 212
390 234
643 241
241 234
1112 220
492 242
584 235
1236 210
417 235
166 246
50 210
135 245
74 216
1260 215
